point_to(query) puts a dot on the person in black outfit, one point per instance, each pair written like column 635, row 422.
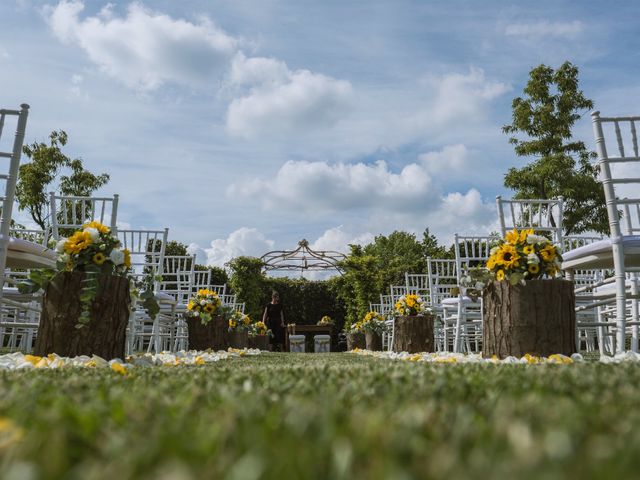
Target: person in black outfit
column 273, row 317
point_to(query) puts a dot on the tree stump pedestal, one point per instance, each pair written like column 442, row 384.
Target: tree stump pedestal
column 261, row 342
column 413, row 334
column 104, row 335
column 238, row 339
column 213, row 335
column 373, row 341
column 356, row 340
column 538, row 318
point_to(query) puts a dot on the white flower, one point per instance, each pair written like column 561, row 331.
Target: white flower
column 93, row 232
column 533, row 239
column 64, row 258
column 533, row 258
column 116, row 256
column 60, row 245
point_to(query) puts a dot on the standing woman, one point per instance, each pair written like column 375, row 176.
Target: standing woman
column 273, row 317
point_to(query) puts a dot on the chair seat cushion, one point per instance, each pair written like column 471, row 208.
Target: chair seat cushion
column 22, row 245
column 609, row 290
column 454, row 301
column 162, row 297
column 600, row 255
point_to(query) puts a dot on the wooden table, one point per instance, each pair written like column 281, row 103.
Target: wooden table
column 305, row 330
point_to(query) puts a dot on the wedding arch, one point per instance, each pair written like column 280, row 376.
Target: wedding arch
column 303, row 259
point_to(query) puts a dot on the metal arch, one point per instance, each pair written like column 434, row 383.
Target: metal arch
column 302, row 259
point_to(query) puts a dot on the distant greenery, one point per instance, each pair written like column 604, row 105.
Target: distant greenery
column 541, row 128
column 337, row 416
column 38, row 176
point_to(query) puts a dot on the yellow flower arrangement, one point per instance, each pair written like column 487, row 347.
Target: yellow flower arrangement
column 373, row 322
column 259, row 328
column 522, row 255
column 411, row 304
column 239, row 321
column 203, row 305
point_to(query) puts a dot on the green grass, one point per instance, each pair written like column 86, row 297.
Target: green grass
column 284, row 416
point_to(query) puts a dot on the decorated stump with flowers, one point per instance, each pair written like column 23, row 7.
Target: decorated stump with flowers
column 356, row 337
column 259, row 336
column 373, row 325
column 239, row 325
column 413, row 325
column 528, row 307
column 207, row 329
column 87, row 297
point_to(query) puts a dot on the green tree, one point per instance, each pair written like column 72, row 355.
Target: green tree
column 36, row 176
column 247, row 282
column 544, row 116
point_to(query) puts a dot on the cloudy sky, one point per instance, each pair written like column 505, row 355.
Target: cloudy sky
column 246, row 125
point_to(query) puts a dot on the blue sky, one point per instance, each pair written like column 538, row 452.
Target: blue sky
column 247, row 125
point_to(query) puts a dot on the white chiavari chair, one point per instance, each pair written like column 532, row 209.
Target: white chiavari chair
column 544, row 216
column 68, row 213
column 443, row 280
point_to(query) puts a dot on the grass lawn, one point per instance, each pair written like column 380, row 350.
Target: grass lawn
column 284, row 416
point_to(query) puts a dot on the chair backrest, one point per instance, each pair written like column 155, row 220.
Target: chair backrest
column 619, row 171
column 38, row 236
column 417, row 283
column 228, row 299
column 377, row 307
column 177, row 276
column 9, row 174
column 443, row 278
column 387, row 303
column 147, row 250
column 397, row 291
column 219, row 289
column 571, row 242
column 201, row 279
column 544, row 216
column 68, row 213
column 471, row 251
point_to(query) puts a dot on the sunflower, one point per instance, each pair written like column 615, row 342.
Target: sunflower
column 127, row 258
column 512, row 237
column 500, row 275
column 548, row 253
column 528, row 249
column 191, row 305
column 533, row 268
column 491, row 263
column 524, row 234
column 77, row 242
column 98, row 258
column 232, row 323
column 507, row 256
column 246, row 320
column 209, row 308
column 98, row 226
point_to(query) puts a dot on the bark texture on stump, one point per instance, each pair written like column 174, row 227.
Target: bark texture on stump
column 105, row 333
column 213, row 335
column 538, row 318
column 356, row 340
column 413, row 334
column 238, row 339
column 373, row 341
column 259, row 341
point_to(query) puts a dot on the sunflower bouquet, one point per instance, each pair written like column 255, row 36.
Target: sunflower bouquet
column 203, row 305
column 374, row 322
column 259, row 328
column 326, row 320
column 523, row 255
column 239, row 322
column 355, row 327
column 411, row 304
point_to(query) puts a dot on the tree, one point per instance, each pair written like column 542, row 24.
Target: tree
column 247, row 282
column 36, row 176
column 551, row 105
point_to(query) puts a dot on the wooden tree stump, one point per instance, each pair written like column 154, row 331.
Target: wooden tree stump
column 238, row 339
column 356, row 340
column 413, row 334
column 538, row 318
column 104, row 335
column 214, row 335
column 373, row 341
column 260, row 342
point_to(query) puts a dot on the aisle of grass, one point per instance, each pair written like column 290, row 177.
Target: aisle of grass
column 282, row 416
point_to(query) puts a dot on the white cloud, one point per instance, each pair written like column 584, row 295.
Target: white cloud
column 244, row 241
column 314, row 186
column 145, row 49
column 281, row 101
column 546, row 29
column 452, row 159
column 338, row 240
